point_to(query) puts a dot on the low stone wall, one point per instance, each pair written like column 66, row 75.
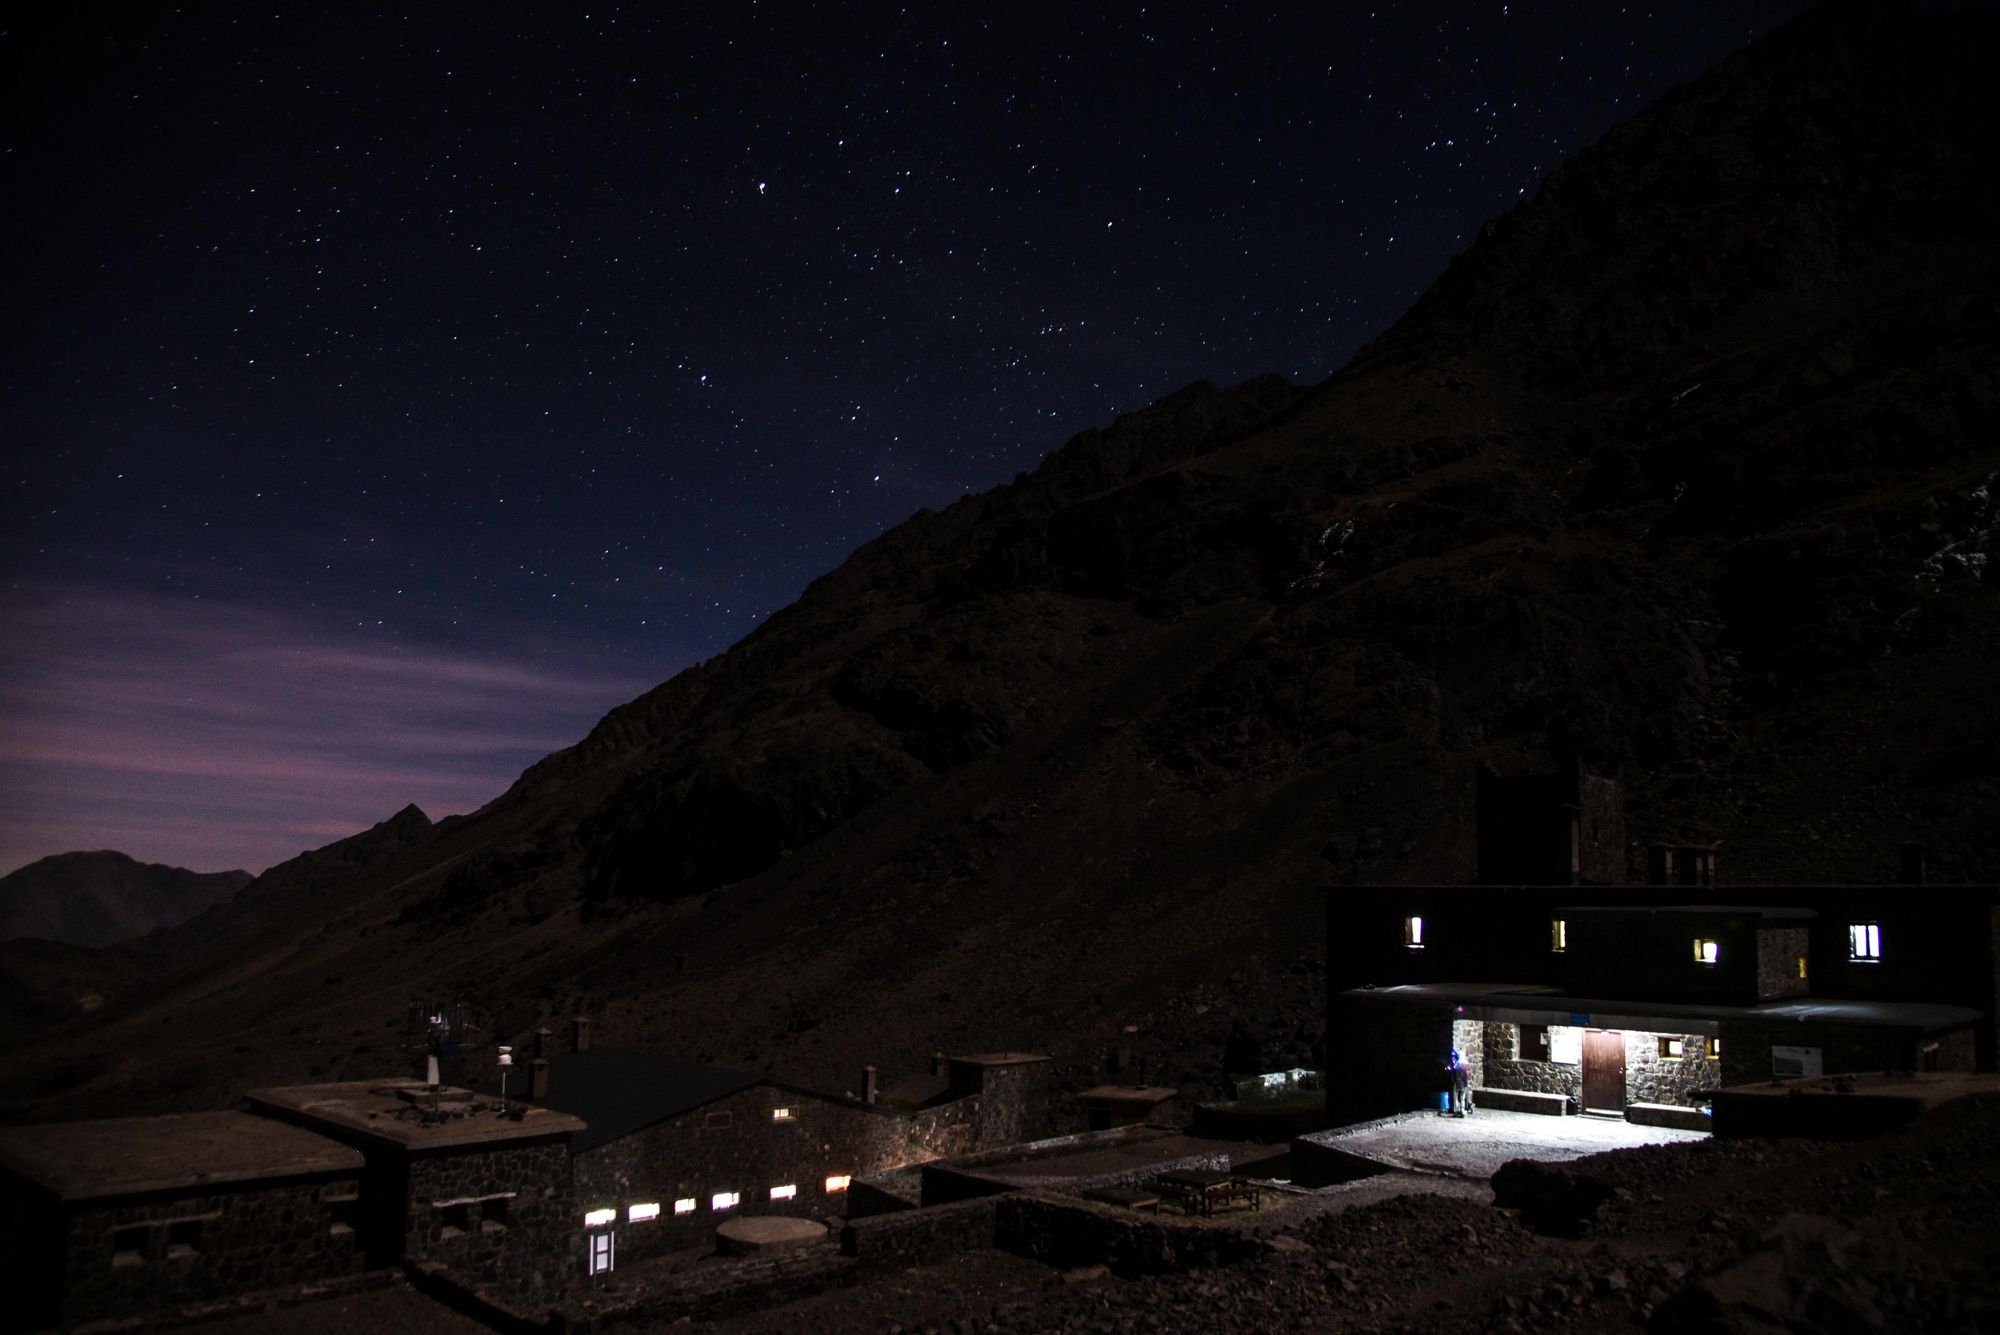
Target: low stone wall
column 711, row 1290
column 1521, row 1100
column 919, row 1237
column 1668, row 1115
column 1066, row 1233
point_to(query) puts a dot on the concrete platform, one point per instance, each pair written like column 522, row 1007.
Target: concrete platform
column 1470, row 1147
column 1668, row 1114
column 1841, row 1107
column 751, row 1235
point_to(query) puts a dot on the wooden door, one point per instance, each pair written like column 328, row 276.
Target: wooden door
column 1603, row 1070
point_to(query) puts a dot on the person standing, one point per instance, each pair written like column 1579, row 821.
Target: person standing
column 1460, row 1072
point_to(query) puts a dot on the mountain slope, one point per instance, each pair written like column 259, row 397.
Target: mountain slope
column 1687, row 467
column 99, row 899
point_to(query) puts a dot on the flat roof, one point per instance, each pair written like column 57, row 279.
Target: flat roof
column 1104, row 1155
column 405, row 1114
column 1148, row 1095
column 616, row 1093
column 1001, row 1058
column 121, row 1156
column 1925, row 1088
column 1693, row 910
column 1509, row 1001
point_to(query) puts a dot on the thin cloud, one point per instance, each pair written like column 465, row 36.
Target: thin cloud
column 212, row 735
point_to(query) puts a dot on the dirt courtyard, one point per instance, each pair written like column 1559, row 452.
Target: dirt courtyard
column 1475, row 1146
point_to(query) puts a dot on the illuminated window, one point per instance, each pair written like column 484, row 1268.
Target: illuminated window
column 784, row 1193
column 639, row 1214
column 598, row 1218
column 1558, row 935
column 1706, row 951
column 1864, row 942
column 1802, row 966
column 1413, row 932
column 685, row 1205
column 837, row 1182
column 1715, row 1049
column 1672, row 1047
column 725, row 1200
column 600, row 1253
column 782, row 1114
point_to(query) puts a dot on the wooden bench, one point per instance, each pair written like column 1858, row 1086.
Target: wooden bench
column 1521, row 1100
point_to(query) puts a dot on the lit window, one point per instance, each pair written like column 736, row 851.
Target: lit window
column 784, row 1193
column 600, row 1253
column 781, row 1114
column 685, row 1205
column 837, row 1182
column 1558, row 935
column 598, row 1218
column 1864, row 942
column 639, row 1214
column 1413, row 932
column 1802, row 966
column 725, row 1200
column 1672, row 1047
column 1706, row 951
column 1715, row 1049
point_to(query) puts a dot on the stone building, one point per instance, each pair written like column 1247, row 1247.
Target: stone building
column 1599, row 997
column 671, row 1150
column 131, row 1216
column 476, row 1185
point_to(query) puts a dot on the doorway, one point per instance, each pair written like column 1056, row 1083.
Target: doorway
column 1603, row 1071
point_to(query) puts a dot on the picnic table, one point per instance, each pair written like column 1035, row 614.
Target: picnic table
column 1205, row 1190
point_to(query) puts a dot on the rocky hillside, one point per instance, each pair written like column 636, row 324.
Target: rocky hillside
column 100, row 899
column 1687, row 466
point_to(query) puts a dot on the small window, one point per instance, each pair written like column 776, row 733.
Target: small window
column 1864, row 942
column 345, row 1213
column 716, row 1120
column 1558, row 935
column 783, row 1114
column 685, row 1205
column 493, row 1215
column 837, row 1182
column 457, row 1220
column 1706, row 950
column 1672, row 1048
column 1715, row 1049
column 1413, row 932
column 601, row 1245
column 598, row 1218
column 1802, row 966
column 130, row 1245
column 786, row 1192
column 725, row 1200
column 639, row 1214
column 183, row 1239
column 1534, row 1043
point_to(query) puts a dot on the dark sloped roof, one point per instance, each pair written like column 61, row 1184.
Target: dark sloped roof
column 617, row 1093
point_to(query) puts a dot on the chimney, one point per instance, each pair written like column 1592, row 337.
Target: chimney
column 579, row 1033
column 868, row 1084
column 538, row 1079
column 1914, row 857
column 937, row 1063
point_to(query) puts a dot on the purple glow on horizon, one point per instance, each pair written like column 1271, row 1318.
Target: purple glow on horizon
column 212, row 736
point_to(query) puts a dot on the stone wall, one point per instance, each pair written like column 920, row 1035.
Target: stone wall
column 1066, row 1233
column 1649, row 1077
column 147, row 1255
column 1015, row 1103
column 500, row 1217
column 1747, row 1043
column 920, row 1237
column 736, row 1144
column 1779, row 950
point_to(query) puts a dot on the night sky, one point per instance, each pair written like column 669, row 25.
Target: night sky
column 387, row 395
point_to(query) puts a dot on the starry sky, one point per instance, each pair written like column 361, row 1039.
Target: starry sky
column 385, row 395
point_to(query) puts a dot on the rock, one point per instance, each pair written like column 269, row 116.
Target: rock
column 1560, row 1202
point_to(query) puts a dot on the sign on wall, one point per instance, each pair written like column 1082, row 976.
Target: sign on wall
column 1795, row 1061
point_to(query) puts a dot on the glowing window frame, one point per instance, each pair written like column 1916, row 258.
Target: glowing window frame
column 1707, row 951
column 643, row 1212
column 725, row 1200
column 1864, row 943
column 837, row 1183
column 1413, row 931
